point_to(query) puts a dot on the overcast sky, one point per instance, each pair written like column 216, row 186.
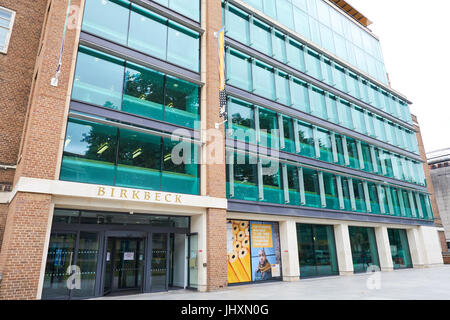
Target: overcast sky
column 415, row 39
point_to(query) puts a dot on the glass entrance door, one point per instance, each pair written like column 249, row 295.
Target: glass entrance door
column 364, row 248
column 316, row 251
column 124, row 264
column 193, row 261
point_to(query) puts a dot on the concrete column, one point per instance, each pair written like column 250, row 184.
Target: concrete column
column 432, row 247
column 384, row 249
column 416, row 248
column 343, row 249
column 289, row 251
column 198, row 225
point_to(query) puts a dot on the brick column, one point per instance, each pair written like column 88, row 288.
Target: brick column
column 22, row 258
column 215, row 172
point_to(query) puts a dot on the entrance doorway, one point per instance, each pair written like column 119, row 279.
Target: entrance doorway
column 124, row 265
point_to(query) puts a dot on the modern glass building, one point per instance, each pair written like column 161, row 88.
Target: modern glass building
column 143, row 186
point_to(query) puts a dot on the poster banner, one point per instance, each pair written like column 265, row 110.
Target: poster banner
column 265, row 251
column 238, row 249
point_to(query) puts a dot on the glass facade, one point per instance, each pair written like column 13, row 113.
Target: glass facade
column 246, row 122
column 168, row 40
column 316, row 251
column 249, row 74
column 401, row 256
column 364, row 248
column 106, row 81
column 102, row 154
column 257, row 179
column 322, row 24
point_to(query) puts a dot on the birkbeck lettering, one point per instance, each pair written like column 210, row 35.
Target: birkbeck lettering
column 126, row 194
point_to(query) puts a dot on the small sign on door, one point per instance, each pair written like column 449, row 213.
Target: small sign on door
column 128, row 256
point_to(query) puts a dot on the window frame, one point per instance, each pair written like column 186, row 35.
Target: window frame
column 9, row 29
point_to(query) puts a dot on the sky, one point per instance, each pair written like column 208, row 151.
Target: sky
column 415, row 40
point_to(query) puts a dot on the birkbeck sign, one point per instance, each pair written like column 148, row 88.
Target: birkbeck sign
column 130, row 194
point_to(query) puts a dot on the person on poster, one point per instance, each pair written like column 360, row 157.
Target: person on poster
column 264, row 271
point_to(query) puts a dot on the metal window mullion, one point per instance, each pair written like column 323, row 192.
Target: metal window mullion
column 301, row 186
column 413, row 206
column 296, row 137
column 260, row 180
column 402, row 203
column 312, row 110
column 389, row 199
column 316, row 142
column 352, row 194
column 231, row 173
column 366, row 196
column 419, row 205
column 323, row 199
column 290, row 81
column 252, row 76
column 374, row 158
column 345, row 149
column 340, row 193
column 334, row 148
column 380, row 200
column 322, row 66
column 250, row 30
column 360, row 155
column 285, row 184
column 281, row 130
column 257, row 128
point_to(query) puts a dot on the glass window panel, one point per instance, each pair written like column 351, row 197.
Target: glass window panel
column 317, row 103
column 313, row 64
column 87, row 259
column 327, row 38
column 364, row 248
column 339, row 149
column 346, row 194
column 153, row 43
column 340, row 78
column 261, row 37
column 345, row 114
column 331, row 191
column 180, row 167
column 352, row 150
column 289, row 136
column 139, row 160
column 183, row 47
column 143, row 92
column 299, row 91
column 301, row 23
column 373, row 197
column 245, row 177
column 272, row 184
column 263, row 80
column 282, row 88
column 332, row 109
column 398, row 242
column 295, row 55
column 284, row 10
column 358, row 191
column 358, row 120
column 306, row 139
column 268, row 123
column 242, row 121
column 312, row 191
column 279, row 47
column 89, row 153
column 239, row 70
column 60, row 255
column 98, row 15
column 182, row 103
column 237, row 25
column 294, row 189
column 327, row 71
column 367, row 157
column 315, row 31
column 324, row 139
column 98, row 79
column 191, row 9
column 270, row 8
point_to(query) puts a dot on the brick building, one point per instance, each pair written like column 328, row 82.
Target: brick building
column 117, row 174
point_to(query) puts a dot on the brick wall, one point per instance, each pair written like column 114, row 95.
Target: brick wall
column 215, row 173
column 23, row 246
column 437, row 218
column 16, row 74
column 3, row 213
column 27, row 220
